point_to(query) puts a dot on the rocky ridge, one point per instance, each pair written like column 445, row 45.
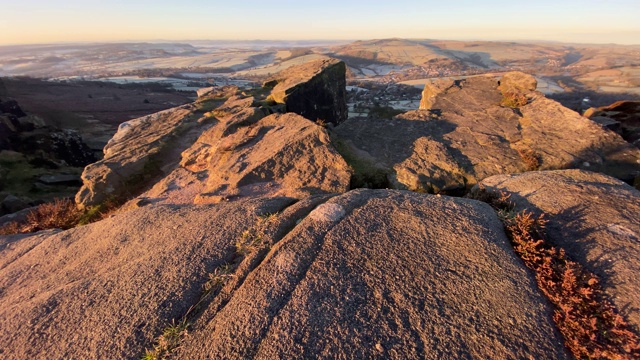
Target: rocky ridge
column 464, row 133
column 244, row 229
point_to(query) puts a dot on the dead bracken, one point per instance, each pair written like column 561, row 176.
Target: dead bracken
column 590, row 324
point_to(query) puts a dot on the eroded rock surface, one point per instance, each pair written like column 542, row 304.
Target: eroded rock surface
column 280, row 154
column 467, row 135
column 395, row 275
column 107, row 290
column 141, row 150
column 594, row 217
column 437, row 278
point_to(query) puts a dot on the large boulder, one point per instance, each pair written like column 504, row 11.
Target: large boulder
column 432, row 89
column 106, row 290
column 437, row 278
column 517, row 82
column 594, row 217
column 467, row 135
column 315, row 90
column 622, row 117
column 142, row 150
column 283, row 154
column 10, row 106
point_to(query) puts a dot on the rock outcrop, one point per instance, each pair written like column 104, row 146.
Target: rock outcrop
column 106, row 290
column 622, row 117
column 29, row 148
column 315, row 90
column 432, row 89
column 241, row 229
column 142, row 149
column 280, row 154
column 446, row 287
column 594, row 217
column 466, row 136
column 517, row 82
column 228, row 151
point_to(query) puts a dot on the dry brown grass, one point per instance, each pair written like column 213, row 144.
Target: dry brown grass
column 58, row 214
column 589, row 323
column 514, row 100
column 530, row 159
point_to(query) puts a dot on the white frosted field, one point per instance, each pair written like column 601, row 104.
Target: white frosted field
column 275, row 68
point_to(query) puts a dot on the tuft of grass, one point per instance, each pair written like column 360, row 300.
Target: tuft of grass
column 589, row 323
column 99, row 212
column 530, row 159
column 514, row 100
column 218, row 278
column 249, row 240
column 60, row 214
column 267, row 218
column 170, row 340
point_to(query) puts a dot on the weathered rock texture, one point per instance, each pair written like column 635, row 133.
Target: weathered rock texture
column 141, row 150
column 467, row 136
column 517, row 82
column 432, row 90
column 622, row 117
column 227, row 151
column 282, row 154
column 594, row 217
column 384, row 274
column 106, row 290
column 369, row 274
column 315, row 90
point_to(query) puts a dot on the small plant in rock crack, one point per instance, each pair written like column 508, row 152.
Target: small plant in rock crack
column 268, row 218
column 218, row 278
column 169, row 340
column 249, row 240
column 530, row 158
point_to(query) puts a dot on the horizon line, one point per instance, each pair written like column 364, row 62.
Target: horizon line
column 189, row 41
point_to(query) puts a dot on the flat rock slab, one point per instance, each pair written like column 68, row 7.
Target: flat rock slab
column 141, row 150
column 385, row 274
column 594, row 217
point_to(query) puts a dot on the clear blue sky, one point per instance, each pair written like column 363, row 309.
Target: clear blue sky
column 43, row 21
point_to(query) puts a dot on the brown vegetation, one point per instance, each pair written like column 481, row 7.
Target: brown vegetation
column 514, row 100
column 530, row 159
column 59, row 214
column 588, row 321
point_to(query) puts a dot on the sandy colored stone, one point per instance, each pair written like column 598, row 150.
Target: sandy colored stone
column 106, row 290
column 517, row 82
column 467, row 136
column 431, row 91
column 281, row 154
column 402, row 276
